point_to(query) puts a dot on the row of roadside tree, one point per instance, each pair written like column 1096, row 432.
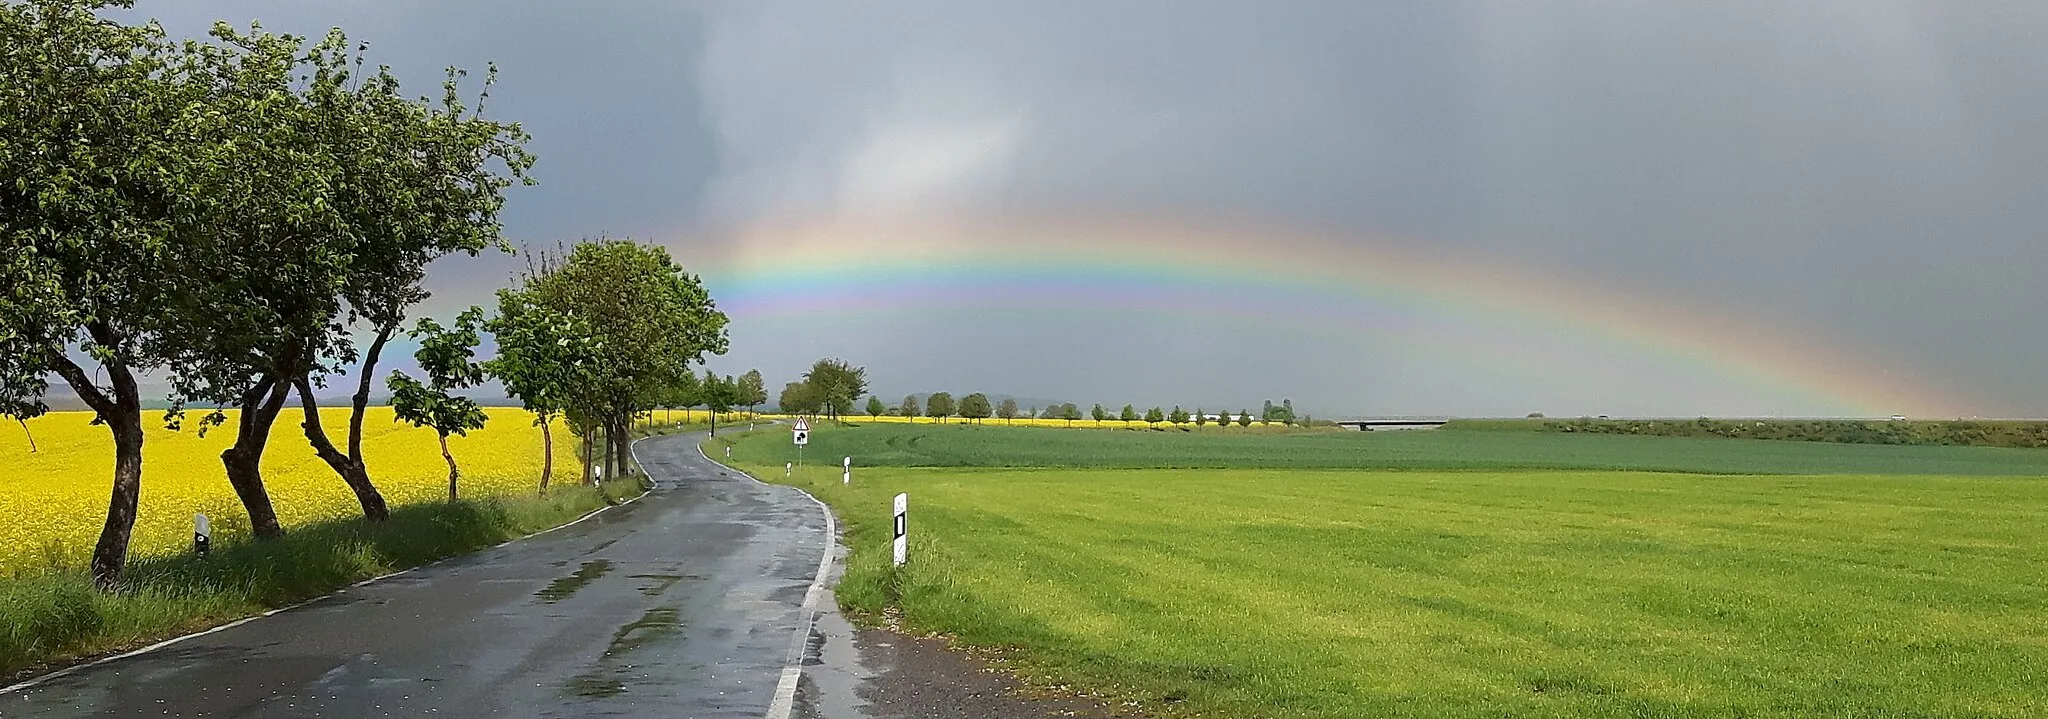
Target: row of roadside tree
column 249, row 216
column 941, row 406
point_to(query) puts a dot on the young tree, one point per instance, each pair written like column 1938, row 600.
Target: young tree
column 939, row 406
column 1053, row 411
column 1128, row 415
column 909, row 407
column 1201, row 417
column 1244, row 418
column 1179, row 416
column 543, row 357
column 447, row 356
column 718, row 396
column 1099, row 414
column 1007, row 410
column 975, row 406
column 875, row 407
column 752, row 392
column 1069, row 412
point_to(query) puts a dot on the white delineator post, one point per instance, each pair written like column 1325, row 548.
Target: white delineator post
column 202, row 535
column 846, row 471
column 788, row 468
column 902, row 529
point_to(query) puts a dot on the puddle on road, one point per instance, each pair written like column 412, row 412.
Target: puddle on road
column 659, row 583
column 591, row 687
column 560, row 589
column 655, row 624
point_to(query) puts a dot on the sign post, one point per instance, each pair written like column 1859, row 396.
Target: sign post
column 801, row 433
column 202, row 535
column 902, row 529
column 846, row 471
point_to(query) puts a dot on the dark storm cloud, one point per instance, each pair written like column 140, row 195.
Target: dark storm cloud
column 1871, row 173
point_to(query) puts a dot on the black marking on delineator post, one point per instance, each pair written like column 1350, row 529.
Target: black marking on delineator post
column 902, row 543
column 202, row 535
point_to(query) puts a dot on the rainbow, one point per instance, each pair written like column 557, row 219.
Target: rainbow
column 893, row 267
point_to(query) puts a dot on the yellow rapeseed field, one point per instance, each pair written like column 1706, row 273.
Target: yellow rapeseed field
column 53, row 501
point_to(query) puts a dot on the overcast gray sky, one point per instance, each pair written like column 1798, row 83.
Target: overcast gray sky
column 1868, row 175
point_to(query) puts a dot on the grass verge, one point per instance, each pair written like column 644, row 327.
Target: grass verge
column 1344, row 593
column 54, row 616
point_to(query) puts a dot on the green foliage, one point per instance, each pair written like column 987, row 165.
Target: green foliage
column 752, row 392
column 1201, row 417
column 799, row 398
column 544, row 356
column 1179, row 416
column 1128, row 415
column 447, row 356
column 1069, row 412
column 1244, row 418
column 975, row 406
column 836, row 384
column 1098, row 413
column 718, row 394
column 1007, row 410
column 940, row 405
column 875, row 407
column 1153, row 416
column 909, row 407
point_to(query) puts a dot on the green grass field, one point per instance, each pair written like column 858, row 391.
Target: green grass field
column 1255, row 592
column 996, row 446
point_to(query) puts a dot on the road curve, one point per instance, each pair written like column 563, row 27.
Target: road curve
column 682, row 604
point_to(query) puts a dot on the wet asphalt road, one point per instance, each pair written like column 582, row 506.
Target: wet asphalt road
column 682, row 604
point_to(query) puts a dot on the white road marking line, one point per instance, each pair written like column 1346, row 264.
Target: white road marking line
column 785, row 688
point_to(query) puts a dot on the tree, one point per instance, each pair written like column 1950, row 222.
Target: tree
column 107, row 130
column 1053, row 411
column 447, row 357
column 875, row 407
column 650, row 319
column 543, row 357
column 1201, row 417
column 1153, row 417
column 798, row 398
column 909, row 407
column 1128, row 415
column 1069, row 412
column 417, row 183
column 1244, row 418
column 837, row 384
column 1099, row 414
column 1007, row 410
column 752, row 392
column 975, row 406
column 939, row 406
column 1179, row 416
column 717, row 395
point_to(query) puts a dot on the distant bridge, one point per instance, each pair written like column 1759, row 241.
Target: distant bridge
column 1371, row 425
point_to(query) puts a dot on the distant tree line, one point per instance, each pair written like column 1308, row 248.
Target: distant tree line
column 975, row 408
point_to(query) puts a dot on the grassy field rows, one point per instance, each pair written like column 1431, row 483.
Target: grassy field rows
column 994, row 445
column 1430, row 593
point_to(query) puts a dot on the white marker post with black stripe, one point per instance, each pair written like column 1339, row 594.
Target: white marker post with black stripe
column 902, row 529
column 846, row 476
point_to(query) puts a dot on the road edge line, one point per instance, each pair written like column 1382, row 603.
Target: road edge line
column 793, row 668
column 33, row 682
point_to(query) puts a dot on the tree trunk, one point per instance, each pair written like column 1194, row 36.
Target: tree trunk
column 547, row 453
column 714, row 423
column 589, row 454
column 624, row 440
column 611, row 429
column 350, row 468
column 31, row 435
column 450, row 459
column 244, row 460
column 122, row 413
